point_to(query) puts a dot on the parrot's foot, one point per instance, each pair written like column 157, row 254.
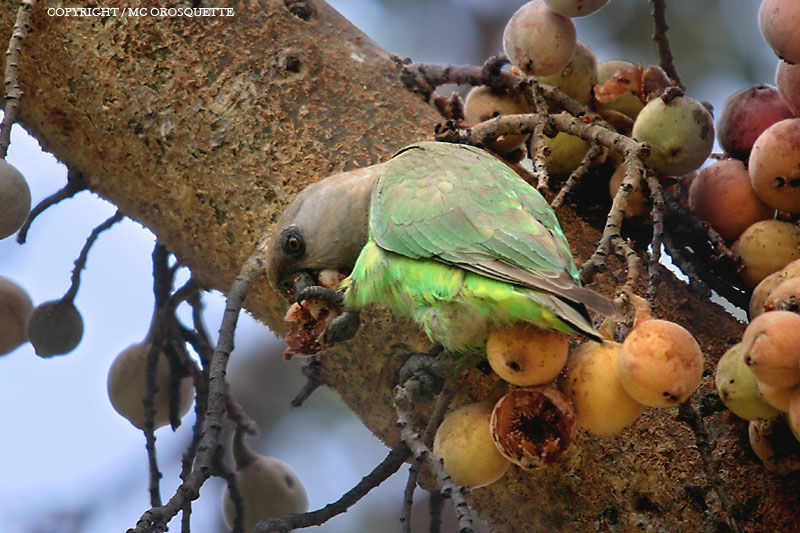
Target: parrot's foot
column 342, row 328
column 427, row 368
column 316, row 292
column 317, row 317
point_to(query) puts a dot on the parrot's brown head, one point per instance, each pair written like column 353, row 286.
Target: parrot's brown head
column 324, row 228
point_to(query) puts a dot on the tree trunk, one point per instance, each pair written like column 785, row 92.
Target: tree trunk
column 203, row 129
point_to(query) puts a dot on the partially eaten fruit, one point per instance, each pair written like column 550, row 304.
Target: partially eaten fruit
column 308, row 319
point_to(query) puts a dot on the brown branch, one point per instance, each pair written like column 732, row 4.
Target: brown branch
column 689, row 414
column 443, row 400
column 435, row 506
column 408, row 497
column 404, row 405
column 156, row 337
column 391, row 464
column 311, row 371
column 423, row 78
column 75, row 184
column 591, row 154
column 665, row 59
column 657, row 213
column 210, row 447
column 235, row 494
column 12, row 91
column 80, row 262
column 538, row 149
column 611, row 237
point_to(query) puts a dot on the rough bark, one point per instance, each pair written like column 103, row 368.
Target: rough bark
column 203, row 129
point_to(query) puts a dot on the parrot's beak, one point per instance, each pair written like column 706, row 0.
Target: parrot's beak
column 295, row 283
column 301, row 282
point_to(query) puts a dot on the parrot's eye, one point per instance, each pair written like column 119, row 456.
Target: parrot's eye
column 292, row 243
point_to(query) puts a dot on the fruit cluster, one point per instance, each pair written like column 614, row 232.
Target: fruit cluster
column 758, row 378
column 601, row 387
column 752, row 196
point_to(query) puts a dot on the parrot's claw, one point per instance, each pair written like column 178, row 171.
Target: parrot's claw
column 331, row 296
column 342, row 328
column 427, row 368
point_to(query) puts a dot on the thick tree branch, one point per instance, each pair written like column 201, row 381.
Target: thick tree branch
column 204, row 130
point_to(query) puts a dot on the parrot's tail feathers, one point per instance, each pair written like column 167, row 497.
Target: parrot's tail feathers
column 559, row 284
column 596, row 302
column 575, row 316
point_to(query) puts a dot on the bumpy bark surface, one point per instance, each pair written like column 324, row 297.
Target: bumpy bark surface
column 203, row 130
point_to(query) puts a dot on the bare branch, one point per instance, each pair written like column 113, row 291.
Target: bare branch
column 591, row 154
column 689, row 414
column 12, row 90
column 80, row 262
column 312, row 372
column 403, row 402
column 391, row 464
column 662, row 42
column 442, row 401
column 210, row 447
column 75, row 184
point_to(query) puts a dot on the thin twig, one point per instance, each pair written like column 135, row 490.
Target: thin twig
column 12, row 91
column 391, row 464
column 591, row 154
column 156, row 337
column 435, row 506
column 235, row 495
column 442, row 401
column 210, row 447
column 408, row 497
column 312, row 372
column 404, row 404
column 688, row 413
column 538, row 149
column 80, row 262
column 611, row 237
column 75, row 184
column 238, row 416
column 657, row 213
column 666, row 61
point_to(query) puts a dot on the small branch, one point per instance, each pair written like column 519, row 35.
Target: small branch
column 312, row 372
column 442, row 401
column 702, row 254
column 657, row 213
column 75, row 184
column 210, row 447
column 538, row 149
column 156, row 339
column 235, row 494
column 404, row 405
column 12, row 91
column 423, row 78
column 408, row 497
column 80, row 262
column 391, row 464
column 435, row 507
column 688, row 414
column 238, row 416
column 577, row 174
column 662, row 42
column 611, row 237
column 696, row 283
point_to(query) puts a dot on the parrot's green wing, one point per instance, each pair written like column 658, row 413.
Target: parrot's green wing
column 459, row 205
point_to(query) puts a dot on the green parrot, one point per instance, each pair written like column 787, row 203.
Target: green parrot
column 444, row 234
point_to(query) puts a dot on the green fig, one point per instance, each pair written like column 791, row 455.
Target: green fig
column 737, row 386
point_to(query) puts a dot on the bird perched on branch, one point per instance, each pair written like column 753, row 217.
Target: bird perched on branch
column 444, row 234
